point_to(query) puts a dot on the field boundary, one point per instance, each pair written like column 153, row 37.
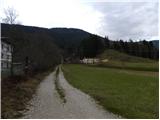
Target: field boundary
column 59, row 89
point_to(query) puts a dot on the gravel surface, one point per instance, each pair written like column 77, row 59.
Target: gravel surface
column 47, row 103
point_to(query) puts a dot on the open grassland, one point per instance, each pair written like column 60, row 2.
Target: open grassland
column 140, row 66
column 128, row 93
column 121, row 60
column 121, row 56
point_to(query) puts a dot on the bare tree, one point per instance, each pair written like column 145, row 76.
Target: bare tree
column 10, row 16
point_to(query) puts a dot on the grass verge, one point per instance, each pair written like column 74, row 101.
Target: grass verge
column 129, row 95
column 16, row 93
column 60, row 91
column 139, row 66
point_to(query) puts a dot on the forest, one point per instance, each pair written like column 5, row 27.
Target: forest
column 94, row 45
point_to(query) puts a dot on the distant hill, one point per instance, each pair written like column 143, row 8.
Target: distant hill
column 60, row 35
column 67, row 39
column 155, row 43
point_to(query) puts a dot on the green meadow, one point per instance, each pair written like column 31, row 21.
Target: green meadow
column 129, row 93
column 139, row 66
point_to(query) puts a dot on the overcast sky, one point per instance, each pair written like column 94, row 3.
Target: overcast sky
column 136, row 19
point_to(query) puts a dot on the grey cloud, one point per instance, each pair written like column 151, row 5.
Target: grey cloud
column 136, row 20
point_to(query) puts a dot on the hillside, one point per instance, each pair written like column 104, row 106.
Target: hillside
column 68, row 37
column 69, row 42
column 65, row 38
column 120, row 60
column 42, row 45
column 114, row 55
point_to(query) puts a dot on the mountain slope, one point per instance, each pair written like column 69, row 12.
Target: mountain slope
column 114, row 55
column 60, row 36
column 67, row 39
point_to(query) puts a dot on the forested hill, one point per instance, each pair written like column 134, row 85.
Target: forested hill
column 44, row 47
column 48, row 45
column 67, row 39
column 63, row 37
column 68, row 36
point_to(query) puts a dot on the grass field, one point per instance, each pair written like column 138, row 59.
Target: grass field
column 140, row 66
column 121, row 60
column 121, row 56
column 128, row 93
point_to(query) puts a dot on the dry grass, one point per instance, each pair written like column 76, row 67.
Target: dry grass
column 16, row 92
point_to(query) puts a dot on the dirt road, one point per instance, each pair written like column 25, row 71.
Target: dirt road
column 48, row 104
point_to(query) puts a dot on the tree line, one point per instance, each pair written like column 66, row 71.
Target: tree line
column 142, row 48
column 95, row 45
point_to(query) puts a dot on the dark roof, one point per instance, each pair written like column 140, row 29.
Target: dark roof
column 6, row 40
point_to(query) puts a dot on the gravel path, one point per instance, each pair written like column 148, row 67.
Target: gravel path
column 47, row 103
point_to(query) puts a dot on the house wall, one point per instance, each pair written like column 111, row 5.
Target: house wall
column 90, row 60
column 6, row 56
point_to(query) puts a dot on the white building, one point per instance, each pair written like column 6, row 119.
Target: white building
column 6, row 54
column 90, row 60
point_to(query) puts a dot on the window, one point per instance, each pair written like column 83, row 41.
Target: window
column 4, row 65
column 9, row 48
column 9, row 65
column 8, row 57
column 1, row 64
column 2, row 46
column 2, row 55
